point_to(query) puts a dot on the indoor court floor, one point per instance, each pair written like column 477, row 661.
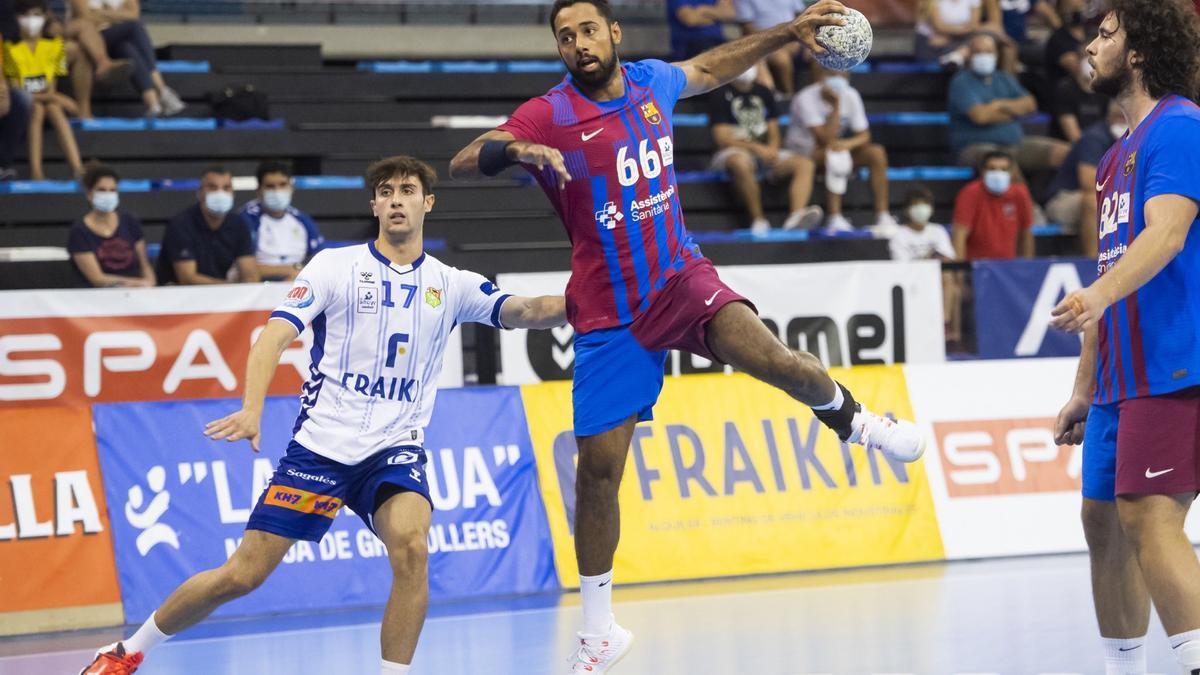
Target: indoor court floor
column 1018, row 615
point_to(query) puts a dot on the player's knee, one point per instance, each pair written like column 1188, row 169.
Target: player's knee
column 1138, row 519
column 237, row 580
column 408, row 553
column 1100, row 524
column 597, row 478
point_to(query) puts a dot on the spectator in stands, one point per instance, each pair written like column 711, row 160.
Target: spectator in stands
column 985, row 106
column 829, row 124
column 33, row 63
column 1064, row 49
column 921, row 239
column 119, row 23
column 107, row 245
column 745, row 127
column 1015, row 16
column 208, row 243
column 1074, row 106
column 993, row 215
column 14, row 120
column 88, row 62
column 1072, row 203
column 759, row 15
column 944, row 27
column 284, row 237
column 696, row 25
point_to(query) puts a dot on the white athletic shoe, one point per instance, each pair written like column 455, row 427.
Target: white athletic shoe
column 806, row 218
column 598, row 653
column 899, row 439
column 760, row 227
column 838, row 223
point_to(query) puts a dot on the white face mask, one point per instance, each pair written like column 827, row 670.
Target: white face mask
column 32, row 25
column 1118, row 130
column 219, row 202
column 997, row 182
column 983, row 65
column 277, row 200
column 747, row 77
column 106, row 201
column 920, row 213
column 837, row 83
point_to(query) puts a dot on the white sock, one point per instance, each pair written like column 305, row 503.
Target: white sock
column 836, row 403
column 146, row 638
column 393, row 668
column 1124, row 656
column 596, row 593
column 1187, row 649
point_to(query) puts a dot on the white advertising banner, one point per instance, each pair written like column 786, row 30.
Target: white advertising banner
column 845, row 313
column 1000, row 484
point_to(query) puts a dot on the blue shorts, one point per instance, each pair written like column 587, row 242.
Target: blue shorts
column 615, row 378
column 308, row 490
column 1100, row 453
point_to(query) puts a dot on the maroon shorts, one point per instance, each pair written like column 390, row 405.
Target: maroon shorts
column 678, row 318
column 1158, row 444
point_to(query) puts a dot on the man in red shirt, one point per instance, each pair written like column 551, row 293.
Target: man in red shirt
column 992, row 215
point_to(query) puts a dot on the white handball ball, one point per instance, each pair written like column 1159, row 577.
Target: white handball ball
column 848, row 45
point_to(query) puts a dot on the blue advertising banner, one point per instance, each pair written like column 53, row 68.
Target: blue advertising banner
column 179, row 503
column 1013, row 299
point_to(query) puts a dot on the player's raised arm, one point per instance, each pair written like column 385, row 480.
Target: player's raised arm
column 497, row 150
column 720, row 65
column 544, row 311
column 260, row 369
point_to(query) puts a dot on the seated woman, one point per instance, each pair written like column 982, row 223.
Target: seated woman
column 945, row 27
column 107, row 245
column 119, row 23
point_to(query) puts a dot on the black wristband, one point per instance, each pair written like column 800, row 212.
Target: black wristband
column 493, row 157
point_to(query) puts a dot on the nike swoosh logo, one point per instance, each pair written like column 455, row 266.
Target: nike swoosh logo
column 588, row 137
column 709, row 301
column 602, row 585
column 1128, row 649
column 1100, row 186
column 1156, row 474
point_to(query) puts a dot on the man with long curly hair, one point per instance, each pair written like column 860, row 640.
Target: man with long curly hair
column 1136, row 403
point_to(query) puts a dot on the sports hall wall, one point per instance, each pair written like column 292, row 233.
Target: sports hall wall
column 105, row 466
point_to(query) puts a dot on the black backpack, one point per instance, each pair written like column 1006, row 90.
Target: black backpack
column 239, row 102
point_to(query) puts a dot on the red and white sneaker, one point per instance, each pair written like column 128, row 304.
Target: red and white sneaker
column 598, row 653
column 112, row 660
column 899, row 439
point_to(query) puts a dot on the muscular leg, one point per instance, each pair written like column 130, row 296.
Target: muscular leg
column 1154, row 524
column 403, row 524
column 255, row 558
column 738, row 337
column 1121, row 599
column 597, row 513
column 741, row 168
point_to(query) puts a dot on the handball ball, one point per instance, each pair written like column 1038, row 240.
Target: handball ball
column 846, row 46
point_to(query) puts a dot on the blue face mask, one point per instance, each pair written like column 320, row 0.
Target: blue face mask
column 105, row 202
column 983, row 65
column 219, row 202
column 997, row 182
column 277, row 200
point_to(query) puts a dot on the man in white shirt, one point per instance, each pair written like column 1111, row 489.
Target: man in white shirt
column 759, row 15
column 920, row 239
column 380, row 314
column 829, row 123
column 284, row 237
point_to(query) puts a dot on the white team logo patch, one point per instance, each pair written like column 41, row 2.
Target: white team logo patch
column 368, row 300
column 300, row 296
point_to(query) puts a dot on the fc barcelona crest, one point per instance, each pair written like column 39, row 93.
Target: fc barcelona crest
column 650, row 112
column 1131, row 163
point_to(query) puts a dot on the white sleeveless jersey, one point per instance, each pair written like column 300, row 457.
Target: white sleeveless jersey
column 379, row 330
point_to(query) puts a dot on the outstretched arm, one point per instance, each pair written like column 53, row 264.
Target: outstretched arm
column 545, row 311
column 260, row 369
column 477, row 159
column 720, row 65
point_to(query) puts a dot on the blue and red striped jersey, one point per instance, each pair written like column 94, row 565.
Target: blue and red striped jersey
column 621, row 208
column 1149, row 343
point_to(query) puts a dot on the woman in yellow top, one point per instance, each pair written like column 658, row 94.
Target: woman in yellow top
column 33, row 63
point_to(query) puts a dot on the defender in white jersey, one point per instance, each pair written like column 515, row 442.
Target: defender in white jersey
column 380, row 314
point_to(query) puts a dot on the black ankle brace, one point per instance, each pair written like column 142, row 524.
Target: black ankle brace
column 840, row 420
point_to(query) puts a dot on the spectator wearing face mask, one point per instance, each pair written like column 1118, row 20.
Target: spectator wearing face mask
column 1072, row 202
column 920, row 239
column 106, row 245
column 284, row 237
column 207, row 243
column 985, row 108
column 993, row 215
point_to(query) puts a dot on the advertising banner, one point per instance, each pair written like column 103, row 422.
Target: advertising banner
column 734, row 477
column 1013, row 299
column 1001, row 485
column 53, row 524
column 180, row 503
column 845, row 313
column 83, row 346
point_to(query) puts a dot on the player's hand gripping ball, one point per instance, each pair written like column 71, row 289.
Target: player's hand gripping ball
column 847, row 45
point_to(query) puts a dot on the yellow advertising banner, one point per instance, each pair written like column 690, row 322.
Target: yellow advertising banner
column 734, row 477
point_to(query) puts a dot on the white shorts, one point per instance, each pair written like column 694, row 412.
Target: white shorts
column 721, row 158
